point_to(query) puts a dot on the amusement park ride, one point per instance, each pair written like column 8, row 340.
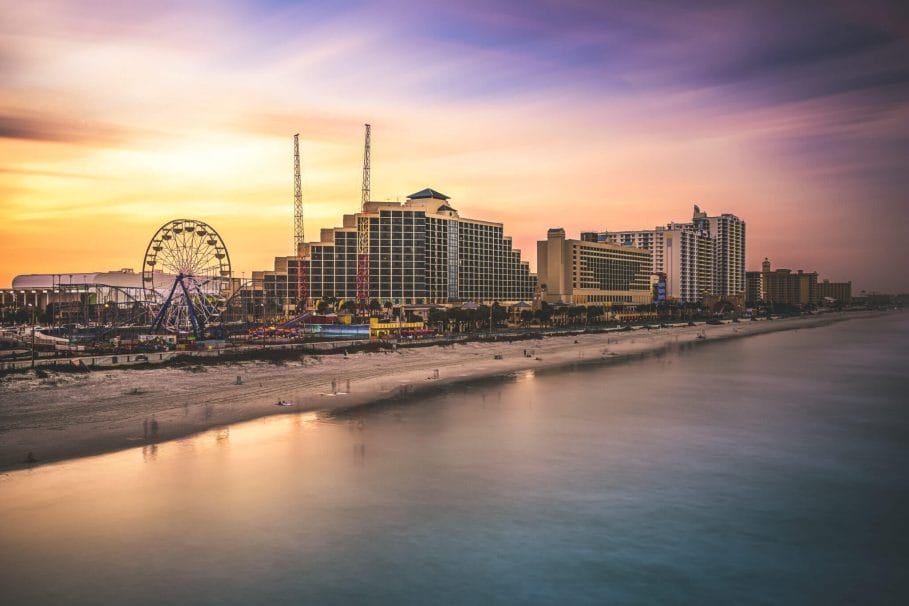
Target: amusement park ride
column 187, row 277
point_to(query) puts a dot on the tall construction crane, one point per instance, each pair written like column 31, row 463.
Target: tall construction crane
column 298, row 197
column 365, row 193
column 363, row 236
column 302, row 283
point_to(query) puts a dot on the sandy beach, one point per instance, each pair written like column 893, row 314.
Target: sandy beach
column 71, row 415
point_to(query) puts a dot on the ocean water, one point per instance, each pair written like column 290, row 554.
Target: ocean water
column 767, row 470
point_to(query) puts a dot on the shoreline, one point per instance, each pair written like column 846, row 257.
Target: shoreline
column 121, row 409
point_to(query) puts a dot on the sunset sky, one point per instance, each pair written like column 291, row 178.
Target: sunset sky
column 117, row 117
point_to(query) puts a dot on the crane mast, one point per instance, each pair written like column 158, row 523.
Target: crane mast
column 363, row 235
column 298, row 197
column 302, row 282
column 365, row 192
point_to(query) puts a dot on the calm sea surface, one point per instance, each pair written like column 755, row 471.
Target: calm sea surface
column 772, row 469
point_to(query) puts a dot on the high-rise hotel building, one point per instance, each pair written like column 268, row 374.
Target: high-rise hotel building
column 682, row 255
column 728, row 232
column 420, row 252
column 704, row 257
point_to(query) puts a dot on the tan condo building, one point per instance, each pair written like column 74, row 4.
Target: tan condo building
column 783, row 286
column 579, row 272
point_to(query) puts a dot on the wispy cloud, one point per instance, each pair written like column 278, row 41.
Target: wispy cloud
column 58, row 128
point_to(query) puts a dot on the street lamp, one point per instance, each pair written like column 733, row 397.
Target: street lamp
column 58, row 296
column 33, row 334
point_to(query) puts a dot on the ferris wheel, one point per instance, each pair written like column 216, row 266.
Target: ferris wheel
column 186, row 275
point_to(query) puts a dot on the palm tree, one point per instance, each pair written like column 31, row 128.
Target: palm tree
column 483, row 316
column 526, row 316
column 438, row 317
column 544, row 314
column 499, row 314
column 461, row 316
column 593, row 312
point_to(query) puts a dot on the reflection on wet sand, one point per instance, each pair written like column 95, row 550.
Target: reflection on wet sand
column 222, row 436
column 150, row 453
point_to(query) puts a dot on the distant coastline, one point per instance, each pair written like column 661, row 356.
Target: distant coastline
column 64, row 415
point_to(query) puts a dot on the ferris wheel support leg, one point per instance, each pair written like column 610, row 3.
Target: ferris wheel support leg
column 198, row 324
column 159, row 317
column 209, row 311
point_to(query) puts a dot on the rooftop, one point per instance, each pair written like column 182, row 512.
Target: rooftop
column 427, row 193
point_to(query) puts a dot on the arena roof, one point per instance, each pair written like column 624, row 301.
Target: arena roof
column 121, row 278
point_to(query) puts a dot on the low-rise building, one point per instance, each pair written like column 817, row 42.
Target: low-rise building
column 69, row 294
column 785, row 287
column 582, row 272
column 837, row 292
column 754, row 288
